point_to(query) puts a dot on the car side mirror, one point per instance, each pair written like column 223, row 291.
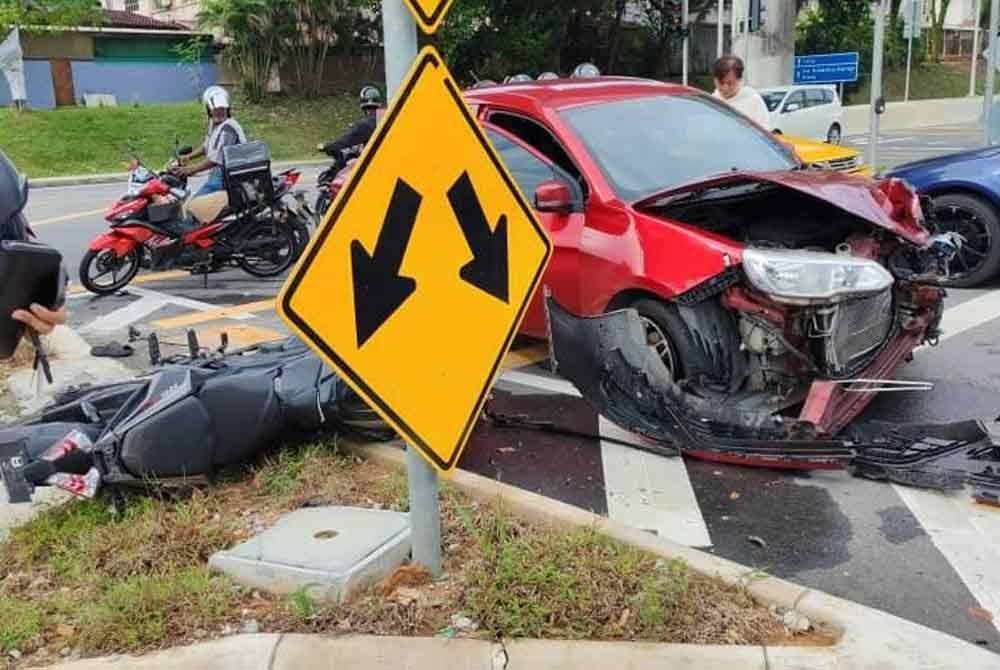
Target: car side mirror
column 792, row 107
column 553, row 196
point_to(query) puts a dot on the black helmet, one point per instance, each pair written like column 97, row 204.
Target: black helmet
column 370, row 98
column 13, row 191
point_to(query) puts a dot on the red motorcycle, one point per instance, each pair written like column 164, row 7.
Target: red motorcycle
column 256, row 233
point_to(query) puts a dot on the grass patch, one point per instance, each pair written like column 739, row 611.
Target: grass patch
column 19, row 622
column 78, row 140
column 928, row 81
column 77, row 576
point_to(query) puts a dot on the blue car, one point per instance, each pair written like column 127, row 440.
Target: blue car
column 965, row 191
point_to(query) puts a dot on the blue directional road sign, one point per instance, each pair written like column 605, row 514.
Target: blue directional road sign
column 826, row 68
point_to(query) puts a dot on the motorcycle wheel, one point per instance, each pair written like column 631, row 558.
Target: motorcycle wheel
column 272, row 248
column 323, row 201
column 122, row 269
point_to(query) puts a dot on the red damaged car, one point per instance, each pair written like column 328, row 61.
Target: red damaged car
column 762, row 287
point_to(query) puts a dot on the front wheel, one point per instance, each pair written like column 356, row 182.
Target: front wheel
column 104, row 272
column 978, row 223
column 269, row 250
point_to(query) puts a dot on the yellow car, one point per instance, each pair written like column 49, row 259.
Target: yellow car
column 825, row 156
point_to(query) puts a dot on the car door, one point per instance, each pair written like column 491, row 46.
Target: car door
column 530, row 170
column 793, row 114
column 818, row 112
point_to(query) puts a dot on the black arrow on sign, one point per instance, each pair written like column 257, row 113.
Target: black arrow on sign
column 379, row 290
column 487, row 270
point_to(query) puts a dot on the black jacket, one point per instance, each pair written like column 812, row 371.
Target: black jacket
column 350, row 143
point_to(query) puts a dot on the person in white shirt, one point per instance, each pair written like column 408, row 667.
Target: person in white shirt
column 729, row 87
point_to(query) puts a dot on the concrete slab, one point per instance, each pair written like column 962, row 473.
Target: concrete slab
column 331, row 552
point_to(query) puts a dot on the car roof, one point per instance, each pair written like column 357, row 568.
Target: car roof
column 562, row 93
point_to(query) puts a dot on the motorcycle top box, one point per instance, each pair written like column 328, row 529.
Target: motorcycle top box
column 247, row 173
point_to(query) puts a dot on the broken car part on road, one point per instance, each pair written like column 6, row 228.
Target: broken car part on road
column 609, row 361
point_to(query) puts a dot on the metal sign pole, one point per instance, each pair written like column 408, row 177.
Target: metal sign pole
column 909, row 48
column 425, row 518
column 687, row 41
column 720, row 30
column 876, row 88
column 975, row 50
column 991, row 71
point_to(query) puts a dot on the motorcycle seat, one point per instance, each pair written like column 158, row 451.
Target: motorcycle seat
column 207, row 208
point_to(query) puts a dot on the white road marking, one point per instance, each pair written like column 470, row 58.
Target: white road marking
column 970, row 314
column 650, row 492
column 643, row 490
column 148, row 303
column 967, row 534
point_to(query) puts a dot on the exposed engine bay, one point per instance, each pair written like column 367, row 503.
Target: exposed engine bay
column 821, row 293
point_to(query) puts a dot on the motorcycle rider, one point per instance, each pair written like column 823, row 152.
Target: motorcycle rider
column 223, row 131
column 353, row 141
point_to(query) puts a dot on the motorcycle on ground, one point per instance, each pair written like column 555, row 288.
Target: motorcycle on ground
column 249, row 226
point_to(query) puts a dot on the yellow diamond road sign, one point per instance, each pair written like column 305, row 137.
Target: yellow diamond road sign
column 429, row 13
column 415, row 284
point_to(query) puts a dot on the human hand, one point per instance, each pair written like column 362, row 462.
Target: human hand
column 41, row 319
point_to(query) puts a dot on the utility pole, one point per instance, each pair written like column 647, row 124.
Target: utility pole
column 686, row 44
column 909, row 46
column 882, row 7
column 425, row 517
column 720, row 30
column 975, row 50
column 991, row 71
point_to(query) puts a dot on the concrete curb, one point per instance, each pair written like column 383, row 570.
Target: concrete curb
column 868, row 638
column 118, row 177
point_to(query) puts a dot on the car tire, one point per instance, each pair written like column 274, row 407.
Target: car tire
column 978, row 221
column 834, row 135
column 710, row 359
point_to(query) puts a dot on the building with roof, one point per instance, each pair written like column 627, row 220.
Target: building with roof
column 128, row 59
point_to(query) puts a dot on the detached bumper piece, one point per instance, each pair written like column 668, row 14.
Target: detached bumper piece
column 606, row 358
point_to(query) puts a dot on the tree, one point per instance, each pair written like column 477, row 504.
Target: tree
column 939, row 10
column 30, row 15
column 311, row 31
column 253, row 31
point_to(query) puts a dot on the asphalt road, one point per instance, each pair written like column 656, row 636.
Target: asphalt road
column 923, row 556
column 903, row 146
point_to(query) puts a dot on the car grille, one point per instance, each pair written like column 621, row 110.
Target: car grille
column 860, row 327
column 849, row 164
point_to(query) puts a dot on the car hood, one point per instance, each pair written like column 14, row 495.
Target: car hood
column 948, row 160
column 889, row 204
column 815, row 152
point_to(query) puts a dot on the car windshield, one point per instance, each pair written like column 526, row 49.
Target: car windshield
column 773, row 98
column 647, row 145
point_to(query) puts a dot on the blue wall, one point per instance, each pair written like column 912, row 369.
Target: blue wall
column 142, row 82
column 128, row 81
column 38, row 81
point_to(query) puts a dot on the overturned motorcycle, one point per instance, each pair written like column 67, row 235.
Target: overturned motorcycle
column 609, row 361
column 180, row 423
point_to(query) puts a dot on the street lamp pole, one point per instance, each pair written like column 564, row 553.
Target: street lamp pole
column 720, row 33
column 975, row 50
column 881, row 9
column 991, row 71
column 687, row 40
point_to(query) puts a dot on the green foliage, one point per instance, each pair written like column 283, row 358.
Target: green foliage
column 42, row 14
column 20, row 620
column 303, row 606
column 255, row 30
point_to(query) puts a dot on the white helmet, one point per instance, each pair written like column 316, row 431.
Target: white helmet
column 215, row 97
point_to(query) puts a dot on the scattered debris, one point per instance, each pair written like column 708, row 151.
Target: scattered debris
column 410, row 575
column 406, row 596
column 251, row 627
column 796, row 622
column 14, row 653
column 759, row 541
column 65, row 630
column 463, row 624
column 623, row 619
column 980, row 613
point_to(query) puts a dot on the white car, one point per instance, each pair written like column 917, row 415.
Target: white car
column 806, row 111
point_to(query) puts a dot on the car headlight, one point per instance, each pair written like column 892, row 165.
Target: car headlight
column 797, row 276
